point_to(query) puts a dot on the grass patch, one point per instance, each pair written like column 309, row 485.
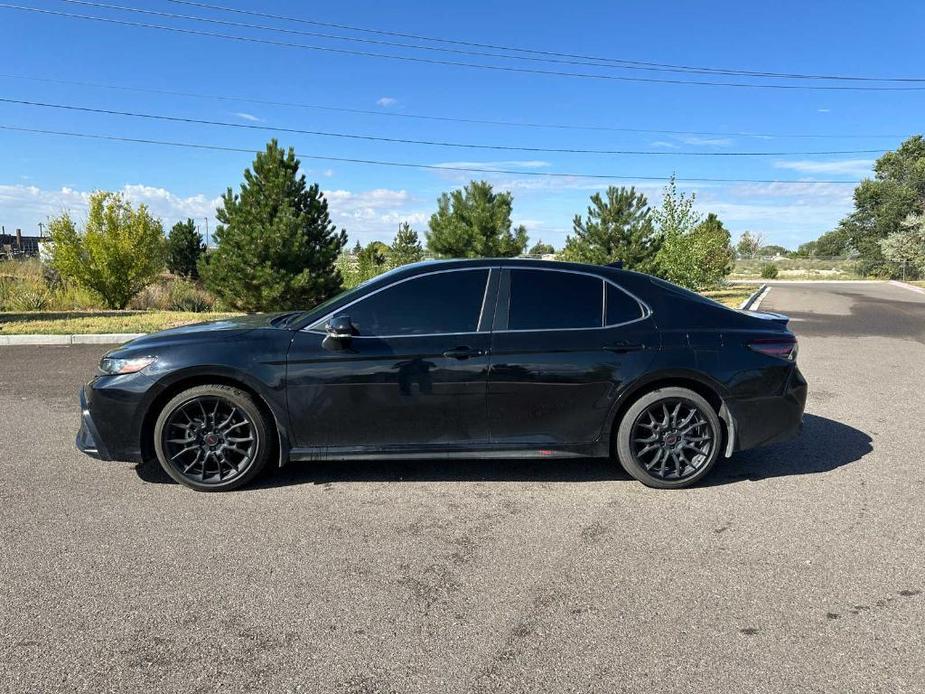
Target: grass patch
column 733, row 295
column 799, row 269
column 77, row 323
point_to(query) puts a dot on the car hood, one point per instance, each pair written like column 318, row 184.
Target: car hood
column 210, row 330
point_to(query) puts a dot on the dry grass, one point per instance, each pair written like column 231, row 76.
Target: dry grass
column 48, row 323
column 799, row 268
column 733, row 295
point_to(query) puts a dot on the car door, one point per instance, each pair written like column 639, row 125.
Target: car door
column 413, row 375
column 562, row 345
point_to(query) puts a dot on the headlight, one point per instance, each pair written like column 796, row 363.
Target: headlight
column 111, row 366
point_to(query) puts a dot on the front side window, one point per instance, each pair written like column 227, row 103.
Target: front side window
column 550, row 300
column 444, row 302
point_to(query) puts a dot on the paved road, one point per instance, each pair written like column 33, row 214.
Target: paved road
column 798, row 568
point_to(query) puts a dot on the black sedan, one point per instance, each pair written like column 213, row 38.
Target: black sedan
column 454, row 359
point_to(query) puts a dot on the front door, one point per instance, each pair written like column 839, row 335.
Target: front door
column 413, row 376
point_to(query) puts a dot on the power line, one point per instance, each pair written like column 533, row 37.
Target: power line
column 449, row 119
column 544, row 57
column 407, row 165
column 648, row 65
column 433, row 61
column 429, row 143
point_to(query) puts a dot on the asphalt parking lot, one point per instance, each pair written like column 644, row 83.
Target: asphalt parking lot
column 798, row 568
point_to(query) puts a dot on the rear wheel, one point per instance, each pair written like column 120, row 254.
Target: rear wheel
column 669, row 438
column 212, row 438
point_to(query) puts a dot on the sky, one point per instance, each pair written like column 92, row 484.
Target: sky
column 266, row 84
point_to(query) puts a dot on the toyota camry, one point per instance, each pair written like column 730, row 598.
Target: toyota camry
column 454, row 359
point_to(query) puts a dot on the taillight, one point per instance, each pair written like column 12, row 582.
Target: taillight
column 782, row 347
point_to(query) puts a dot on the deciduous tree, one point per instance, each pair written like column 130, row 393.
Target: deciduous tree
column 119, row 251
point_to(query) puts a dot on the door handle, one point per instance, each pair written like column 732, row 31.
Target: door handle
column 621, row 347
column 462, row 353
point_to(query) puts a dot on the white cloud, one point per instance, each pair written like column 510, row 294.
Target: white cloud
column 823, row 110
column 387, row 102
column 29, row 205
column 495, row 165
column 374, row 215
column 847, row 167
column 664, row 143
column 708, row 141
column 367, row 215
column 249, row 117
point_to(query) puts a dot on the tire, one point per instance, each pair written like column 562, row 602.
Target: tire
column 669, row 438
column 212, row 438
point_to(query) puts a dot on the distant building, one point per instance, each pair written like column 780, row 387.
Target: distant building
column 17, row 245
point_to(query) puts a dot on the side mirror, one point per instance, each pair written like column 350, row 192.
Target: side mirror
column 339, row 333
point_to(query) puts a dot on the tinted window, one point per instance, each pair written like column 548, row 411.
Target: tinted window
column 621, row 307
column 446, row 302
column 544, row 299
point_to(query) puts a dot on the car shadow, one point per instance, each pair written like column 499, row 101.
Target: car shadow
column 823, row 445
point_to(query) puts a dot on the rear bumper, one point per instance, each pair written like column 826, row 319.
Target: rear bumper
column 772, row 419
column 88, row 436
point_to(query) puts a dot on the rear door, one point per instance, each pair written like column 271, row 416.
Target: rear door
column 563, row 343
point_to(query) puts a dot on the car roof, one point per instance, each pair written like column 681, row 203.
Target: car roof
column 533, row 263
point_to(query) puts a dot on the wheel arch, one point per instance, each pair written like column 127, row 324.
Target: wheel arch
column 704, row 386
column 181, row 382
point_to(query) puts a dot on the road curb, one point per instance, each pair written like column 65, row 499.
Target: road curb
column 910, row 287
column 756, row 297
column 89, row 339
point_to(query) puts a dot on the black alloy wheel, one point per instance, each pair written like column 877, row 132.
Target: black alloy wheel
column 211, row 438
column 669, row 438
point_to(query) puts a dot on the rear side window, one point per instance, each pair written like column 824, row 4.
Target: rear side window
column 550, row 300
column 445, row 302
column 621, row 307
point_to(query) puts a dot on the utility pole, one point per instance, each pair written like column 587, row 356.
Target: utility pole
column 41, row 230
column 207, row 231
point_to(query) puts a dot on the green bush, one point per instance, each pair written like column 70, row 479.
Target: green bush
column 186, row 296
column 118, row 251
column 769, row 271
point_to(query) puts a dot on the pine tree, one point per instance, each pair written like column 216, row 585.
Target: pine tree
column 616, row 228
column 475, row 223
column 184, row 247
column 277, row 247
column 406, row 248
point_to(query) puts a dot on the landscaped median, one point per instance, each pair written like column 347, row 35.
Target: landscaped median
column 123, row 325
column 99, row 322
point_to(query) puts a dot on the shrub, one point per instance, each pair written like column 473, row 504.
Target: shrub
column 119, row 251
column 186, row 296
column 769, row 271
column 26, row 298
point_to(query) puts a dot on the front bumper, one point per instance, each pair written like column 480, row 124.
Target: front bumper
column 88, row 437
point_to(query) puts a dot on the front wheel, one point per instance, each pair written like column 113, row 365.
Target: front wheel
column 212, row 438
column 669, row 438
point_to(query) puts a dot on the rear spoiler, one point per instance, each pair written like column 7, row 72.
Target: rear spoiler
column 769, row 316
